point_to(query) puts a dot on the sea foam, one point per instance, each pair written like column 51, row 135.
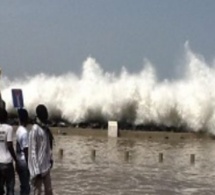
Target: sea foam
column 139, row 98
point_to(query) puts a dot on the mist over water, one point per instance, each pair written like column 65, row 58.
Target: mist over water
column 134, row 98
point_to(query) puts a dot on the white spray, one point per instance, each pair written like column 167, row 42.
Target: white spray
column 134, row 98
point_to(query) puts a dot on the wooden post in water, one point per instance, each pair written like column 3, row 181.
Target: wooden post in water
column 160, row 157
column 127, row 156
column 192, row 158
column 93, row 155
column 61, row 153
column 59, row 131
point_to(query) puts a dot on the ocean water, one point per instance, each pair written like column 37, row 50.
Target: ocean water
column 124, row 166
column 186, row 100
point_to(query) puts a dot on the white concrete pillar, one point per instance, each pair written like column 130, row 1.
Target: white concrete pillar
column 113, row 129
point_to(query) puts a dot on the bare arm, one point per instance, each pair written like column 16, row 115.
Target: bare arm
column 10, row 143
column 11, row 150
column 26, row 154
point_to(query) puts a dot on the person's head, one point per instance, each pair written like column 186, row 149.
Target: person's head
column 42, row 113
column 23, row 116
column 3, row 115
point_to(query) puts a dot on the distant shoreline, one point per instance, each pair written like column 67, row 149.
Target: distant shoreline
column 166, row 135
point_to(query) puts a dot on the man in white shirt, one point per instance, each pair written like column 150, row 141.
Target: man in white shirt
column 7, row 173
column 22, row 152
column 40, row 152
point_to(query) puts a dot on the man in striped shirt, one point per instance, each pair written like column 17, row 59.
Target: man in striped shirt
column 40, row 152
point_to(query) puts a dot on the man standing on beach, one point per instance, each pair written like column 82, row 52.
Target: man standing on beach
column 40, row 152
column 7, row 173
column 22, row 152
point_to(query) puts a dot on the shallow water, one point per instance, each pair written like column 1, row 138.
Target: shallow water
column 133, row 166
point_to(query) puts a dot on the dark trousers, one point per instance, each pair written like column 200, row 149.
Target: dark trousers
column 7, row 178
column 46, row 181
column 24, row 178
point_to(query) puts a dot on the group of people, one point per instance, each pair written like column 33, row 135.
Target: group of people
column 32, row 156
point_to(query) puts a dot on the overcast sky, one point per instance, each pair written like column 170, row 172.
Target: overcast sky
column 57, row 36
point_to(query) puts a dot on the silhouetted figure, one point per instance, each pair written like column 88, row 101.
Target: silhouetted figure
column 2, row 103
column 22, row 152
